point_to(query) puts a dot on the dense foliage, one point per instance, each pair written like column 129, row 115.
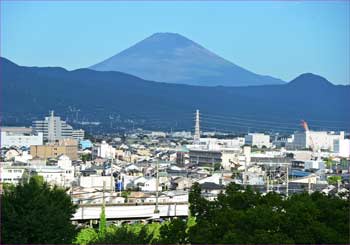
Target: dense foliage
column 125, row 234
column 248, row 217
column 34, row 213
column 334, row 180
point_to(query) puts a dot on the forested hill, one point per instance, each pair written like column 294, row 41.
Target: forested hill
column 118, row 99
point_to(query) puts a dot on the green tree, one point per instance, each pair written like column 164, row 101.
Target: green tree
column 329, row 163
column 217, row 166
column 344, row 163
column 86, row 236
column 125, row 234
column 197, row 203
column 86, row 157
column 174, row 232
column 103, row 223
column 126, row 195
column 245, row 216
column 333, row 180
column 34, row 212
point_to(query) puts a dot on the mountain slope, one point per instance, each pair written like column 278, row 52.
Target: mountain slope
column 172, row 58
column 121, row 100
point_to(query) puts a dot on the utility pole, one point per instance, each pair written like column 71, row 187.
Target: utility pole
column 287, row 187
column 112, row 178
column 267, row 184
column 309, row 185
column 271, row 181
column 212, row 165
column 120, row 179
column 103, row 193
column 156, row 210
column 245, row 175
column 246, row 152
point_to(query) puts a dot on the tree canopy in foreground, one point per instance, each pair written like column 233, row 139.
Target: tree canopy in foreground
column 35, row 213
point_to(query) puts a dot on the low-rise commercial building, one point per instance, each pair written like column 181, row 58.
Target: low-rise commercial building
column 319, row 140
column 96, row 181
column 11, row 174
column 68, row 147
column 53, row 175
column 258, row 140
column 342, row 147
column 203, row 157
column 78, row 134
column 103, row 150
column 20, row 136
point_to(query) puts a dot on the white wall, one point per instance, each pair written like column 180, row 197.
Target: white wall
column 319, row 139
column 342, row 147
column 24, row 157
column 150, row 185
column 51, row 174
column 19, row 140
column 103, row 150
column 95, row 181
column 259, row 140
column 10, row 174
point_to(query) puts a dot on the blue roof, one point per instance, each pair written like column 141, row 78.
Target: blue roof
column 299, row 173
column 85, row 144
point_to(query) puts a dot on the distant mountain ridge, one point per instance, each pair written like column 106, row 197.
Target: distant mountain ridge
column 172, row 58
column 121, row 100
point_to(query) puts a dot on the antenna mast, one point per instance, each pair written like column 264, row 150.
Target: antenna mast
column 197, row 129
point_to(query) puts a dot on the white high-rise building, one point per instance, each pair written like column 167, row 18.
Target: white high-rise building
column 53, row 129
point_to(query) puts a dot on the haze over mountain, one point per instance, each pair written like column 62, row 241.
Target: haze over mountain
column 122, row 100
column 172, row 58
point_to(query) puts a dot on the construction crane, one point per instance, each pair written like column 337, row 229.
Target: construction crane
column 307, row 132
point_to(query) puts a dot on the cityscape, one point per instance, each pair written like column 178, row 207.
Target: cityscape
column 167, row 142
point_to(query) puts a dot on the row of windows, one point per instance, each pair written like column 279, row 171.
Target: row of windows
column 9, row 179
column 14, row 171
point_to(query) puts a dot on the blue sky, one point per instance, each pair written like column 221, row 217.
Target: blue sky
column 281, row 39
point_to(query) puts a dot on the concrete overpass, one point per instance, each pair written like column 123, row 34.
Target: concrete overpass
column 131, row 211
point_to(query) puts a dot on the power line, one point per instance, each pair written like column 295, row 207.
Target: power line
column 211, row 116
